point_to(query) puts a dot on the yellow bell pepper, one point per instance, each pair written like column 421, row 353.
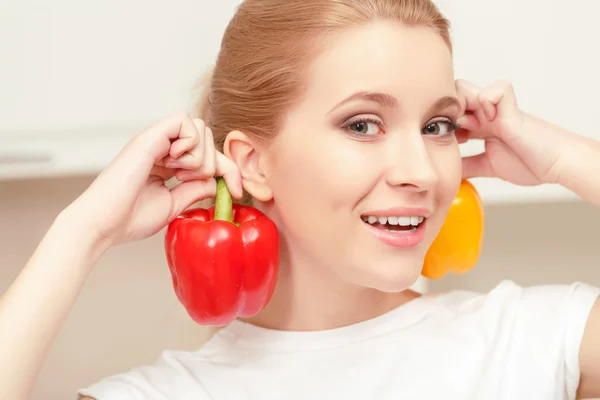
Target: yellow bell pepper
column 458, row 245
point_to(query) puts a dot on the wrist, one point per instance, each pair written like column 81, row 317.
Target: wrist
column 74, row 225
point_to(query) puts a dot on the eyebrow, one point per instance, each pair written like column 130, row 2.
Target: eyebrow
column 385, row 100
column 445, row 103
column 389, row 101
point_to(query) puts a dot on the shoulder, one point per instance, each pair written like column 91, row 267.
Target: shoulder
column 509, row 297
column 543, row 309
column 528, row 328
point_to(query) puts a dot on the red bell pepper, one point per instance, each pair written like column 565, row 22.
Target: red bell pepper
column 223, row 260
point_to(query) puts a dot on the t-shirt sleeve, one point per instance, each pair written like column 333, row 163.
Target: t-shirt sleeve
column 546, row 332
column 168, row 378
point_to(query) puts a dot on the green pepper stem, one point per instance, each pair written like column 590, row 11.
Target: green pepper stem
column 223, row 202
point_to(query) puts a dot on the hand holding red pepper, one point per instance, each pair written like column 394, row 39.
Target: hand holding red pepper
column 223, row 260
column 130, row 200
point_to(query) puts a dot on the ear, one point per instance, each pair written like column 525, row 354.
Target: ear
column 246, row 154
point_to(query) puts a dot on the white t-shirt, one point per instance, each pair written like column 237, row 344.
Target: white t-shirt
column 511, row 343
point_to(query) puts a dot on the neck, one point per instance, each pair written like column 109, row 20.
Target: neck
column 309, row 297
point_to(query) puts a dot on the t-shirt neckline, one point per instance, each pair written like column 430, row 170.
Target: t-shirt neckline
column 247, row 335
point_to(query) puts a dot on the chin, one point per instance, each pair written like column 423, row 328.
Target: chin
column 394, row 277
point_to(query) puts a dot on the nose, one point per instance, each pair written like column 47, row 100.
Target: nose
column 410, row 164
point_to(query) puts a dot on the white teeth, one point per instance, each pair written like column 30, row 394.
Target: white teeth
column 402, row 221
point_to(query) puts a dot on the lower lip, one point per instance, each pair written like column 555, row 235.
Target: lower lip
column 398, row 239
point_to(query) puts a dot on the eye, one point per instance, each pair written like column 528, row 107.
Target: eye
column 440, row 128
column 365, row 126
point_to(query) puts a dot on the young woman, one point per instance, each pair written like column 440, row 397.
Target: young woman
column 325, row 113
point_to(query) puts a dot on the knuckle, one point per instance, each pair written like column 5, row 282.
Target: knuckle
column 200, row 125
column 182, row 176
column 194, row 142
column 190, row 162
column 195, row 163
column 505, row 85
column 460, row 82
column 467, row 85
column 210, row 170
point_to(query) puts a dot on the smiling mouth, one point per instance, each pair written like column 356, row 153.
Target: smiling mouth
column 400, row 224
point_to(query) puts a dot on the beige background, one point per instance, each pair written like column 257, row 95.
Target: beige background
column 128, row 312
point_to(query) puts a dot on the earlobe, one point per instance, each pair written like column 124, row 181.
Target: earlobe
column 246, row 154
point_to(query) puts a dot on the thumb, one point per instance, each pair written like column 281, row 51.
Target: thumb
column 187, row 193
column 477, row 166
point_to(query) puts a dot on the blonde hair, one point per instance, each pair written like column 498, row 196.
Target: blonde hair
column 267, row 46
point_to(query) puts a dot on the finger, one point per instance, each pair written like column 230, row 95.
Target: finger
column 489, row 109
column 462, row 136
column 469, row 122
column 189, row 141
column 188, row 153
column 209, row 166
column 189, row 138
column 467, row 94
column 135, row 162
column 477, row 166
column 182, row 146
column 191, row 160
column 187, row 193
column 231, row 173
column 190, row 175
column 157, row 139
column 162, row 172
column 188, row 164
column 499, row 99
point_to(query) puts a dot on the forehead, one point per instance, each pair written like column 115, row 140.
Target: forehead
column 383, row 56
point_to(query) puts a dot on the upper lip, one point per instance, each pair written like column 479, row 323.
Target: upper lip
column 401, row 212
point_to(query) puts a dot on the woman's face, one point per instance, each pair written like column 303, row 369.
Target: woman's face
column 367, row 154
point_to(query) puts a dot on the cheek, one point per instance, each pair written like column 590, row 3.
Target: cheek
column 448, row 164
column 325, row 170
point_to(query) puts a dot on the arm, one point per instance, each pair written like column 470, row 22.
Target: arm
column 37, row 303
column 577, row 170
column 526, row 150
column 589, row 357
column 578, row 165
column 128, row 201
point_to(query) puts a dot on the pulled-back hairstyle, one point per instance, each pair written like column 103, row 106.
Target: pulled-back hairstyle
column 269, row 43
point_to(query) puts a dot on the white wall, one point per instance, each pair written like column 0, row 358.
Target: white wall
column 127, row 312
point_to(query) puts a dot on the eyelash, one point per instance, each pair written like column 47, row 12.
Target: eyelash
column 365, row 120
column 452, row 126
